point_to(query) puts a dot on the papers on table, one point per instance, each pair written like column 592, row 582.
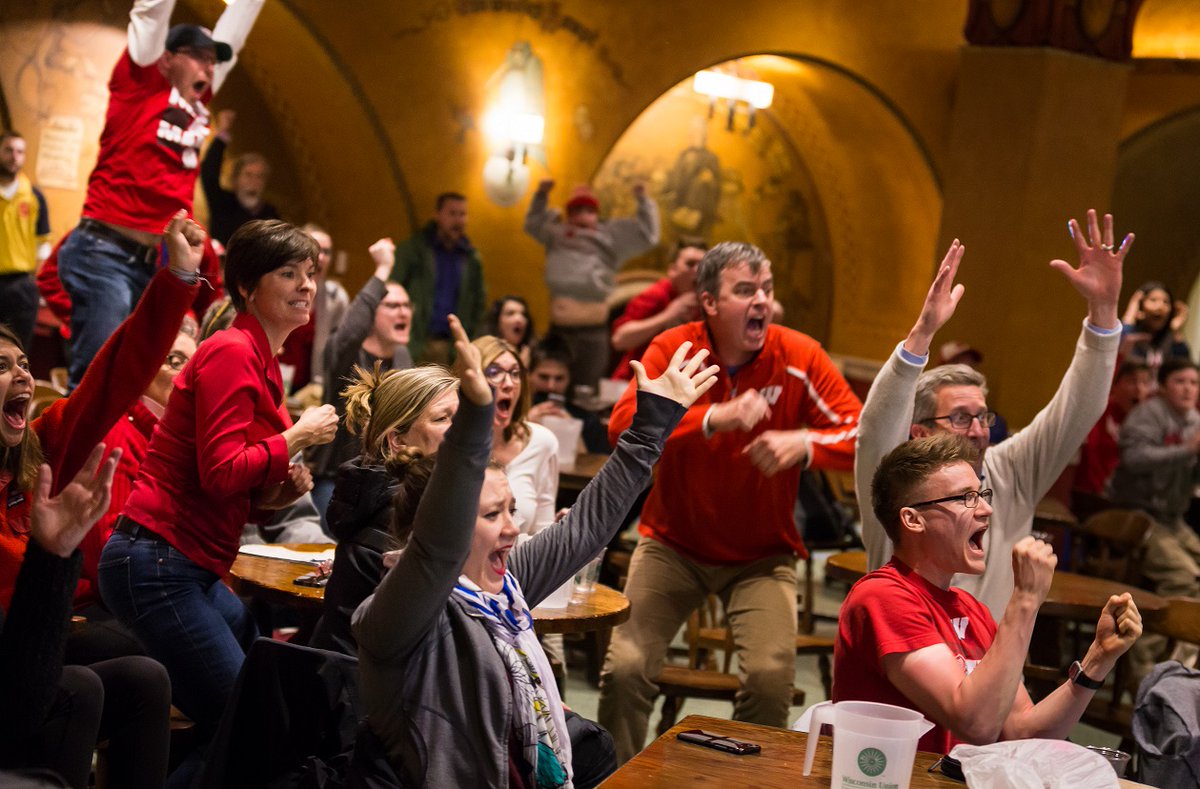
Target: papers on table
column 288, row 554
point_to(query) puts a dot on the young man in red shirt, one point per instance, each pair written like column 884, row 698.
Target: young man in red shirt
column 147, row 166
column 664, row 305
column 907, row 637
column 719, row 517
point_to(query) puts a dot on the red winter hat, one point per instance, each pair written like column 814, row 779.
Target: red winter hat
column 582, row 196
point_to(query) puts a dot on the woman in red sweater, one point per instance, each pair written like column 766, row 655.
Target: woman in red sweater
column 63, row 438
column 219, row 457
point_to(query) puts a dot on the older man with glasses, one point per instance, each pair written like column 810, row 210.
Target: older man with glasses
column 907, row 637
column 904, row 402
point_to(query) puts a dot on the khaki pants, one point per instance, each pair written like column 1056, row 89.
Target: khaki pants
column 663, row 589
column 1172, row 566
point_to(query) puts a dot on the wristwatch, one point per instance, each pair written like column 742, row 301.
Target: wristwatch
column 1083, row 680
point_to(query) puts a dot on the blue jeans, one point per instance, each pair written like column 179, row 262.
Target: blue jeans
column 322, row 492
column 185, row 616
column 104, row 283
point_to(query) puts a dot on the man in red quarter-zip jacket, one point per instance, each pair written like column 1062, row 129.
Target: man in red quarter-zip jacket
column 719, row 517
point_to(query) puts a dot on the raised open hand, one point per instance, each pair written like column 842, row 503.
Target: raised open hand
column 59, row 524
column 185, row 242
column 225, row 119
column 468, row 365
column 683, row 381
column 940, row 303
column 1181, row 316
column 1098, row 277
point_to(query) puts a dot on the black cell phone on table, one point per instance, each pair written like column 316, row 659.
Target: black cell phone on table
column 718, row 743
column 949, row 767
column 315, row 579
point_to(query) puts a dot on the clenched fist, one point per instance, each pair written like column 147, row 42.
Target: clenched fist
column 1033, row 568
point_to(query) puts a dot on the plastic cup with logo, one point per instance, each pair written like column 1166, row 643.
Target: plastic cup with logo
column 586, row 577
column 567, row 431
column 874, row 745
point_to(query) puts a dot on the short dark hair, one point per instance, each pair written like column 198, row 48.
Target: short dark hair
column 1174, row 365
column 1130, row 367
column 259, row 247
column 444, row 196
column 688, row 242
column 551, row 348
column 904, row 468
column 725, row 255
column 10, row 134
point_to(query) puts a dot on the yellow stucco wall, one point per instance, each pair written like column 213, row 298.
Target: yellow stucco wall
column 369, row 109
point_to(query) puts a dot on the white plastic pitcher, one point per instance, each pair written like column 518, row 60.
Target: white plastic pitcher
column 874, row 745
column 567, row 431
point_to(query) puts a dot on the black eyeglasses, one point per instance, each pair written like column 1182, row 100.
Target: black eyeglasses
column 495, row 374
column 970, row 499
column 176, row 360
column 961, row 420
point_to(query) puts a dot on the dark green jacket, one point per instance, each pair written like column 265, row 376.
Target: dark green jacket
column 415, row 270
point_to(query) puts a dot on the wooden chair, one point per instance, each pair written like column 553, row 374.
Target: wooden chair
column 44, row 395
column 701, row 678
column 1109, row 544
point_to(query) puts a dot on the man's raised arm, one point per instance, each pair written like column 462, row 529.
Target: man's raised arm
column 887, row 414
column 233, row 28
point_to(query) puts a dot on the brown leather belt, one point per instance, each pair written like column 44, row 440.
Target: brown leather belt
column 146, row 256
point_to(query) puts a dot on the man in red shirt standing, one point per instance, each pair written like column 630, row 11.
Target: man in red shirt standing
column 719, row 517
column 908, row 638
column 664, row 305
column 147, row 166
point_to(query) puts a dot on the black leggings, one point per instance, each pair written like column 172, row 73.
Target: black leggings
column 135, row 721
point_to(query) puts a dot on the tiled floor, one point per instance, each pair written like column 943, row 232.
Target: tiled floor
column 583, row 698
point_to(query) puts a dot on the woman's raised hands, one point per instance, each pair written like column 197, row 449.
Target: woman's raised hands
column 468, row 365
column 683, row 381
column 60, row 523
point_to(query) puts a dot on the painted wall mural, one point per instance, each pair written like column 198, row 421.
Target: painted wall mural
column 749, row 184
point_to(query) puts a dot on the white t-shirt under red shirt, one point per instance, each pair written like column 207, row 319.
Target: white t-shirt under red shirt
column 894, row 611
column 149, row 150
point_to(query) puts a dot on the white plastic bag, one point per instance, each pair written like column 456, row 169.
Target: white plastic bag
column 1034, row 764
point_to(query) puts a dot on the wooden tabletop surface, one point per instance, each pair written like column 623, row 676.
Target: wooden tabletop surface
column 669, row 762
column 1071, row 596
column 273, row 580
column 603, row 608
column 580, row 473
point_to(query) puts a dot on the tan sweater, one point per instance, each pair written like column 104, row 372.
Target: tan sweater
column 1020, row 470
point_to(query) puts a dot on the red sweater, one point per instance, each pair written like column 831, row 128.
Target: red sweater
column 132, row 436
column 69, row 428
column 646, row 304
column 217, row 444
column 709, row 502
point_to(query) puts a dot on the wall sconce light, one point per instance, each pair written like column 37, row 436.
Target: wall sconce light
column 719, row 85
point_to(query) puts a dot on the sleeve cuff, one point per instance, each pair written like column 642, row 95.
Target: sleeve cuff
column 911, row 358
column 1094, row 329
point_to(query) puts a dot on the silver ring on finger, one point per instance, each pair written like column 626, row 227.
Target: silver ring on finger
column 1107, row 247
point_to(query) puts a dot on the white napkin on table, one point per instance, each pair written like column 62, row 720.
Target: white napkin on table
column 1034, row 764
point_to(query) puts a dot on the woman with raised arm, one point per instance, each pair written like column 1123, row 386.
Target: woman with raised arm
column 221, row 451
column 400, row 418
column 458, row 689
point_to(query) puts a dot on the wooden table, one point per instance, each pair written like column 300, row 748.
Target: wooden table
column 579, row 474
column 602, row 610
column 271, row 579
column 1071, row 596
column 668, row 762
